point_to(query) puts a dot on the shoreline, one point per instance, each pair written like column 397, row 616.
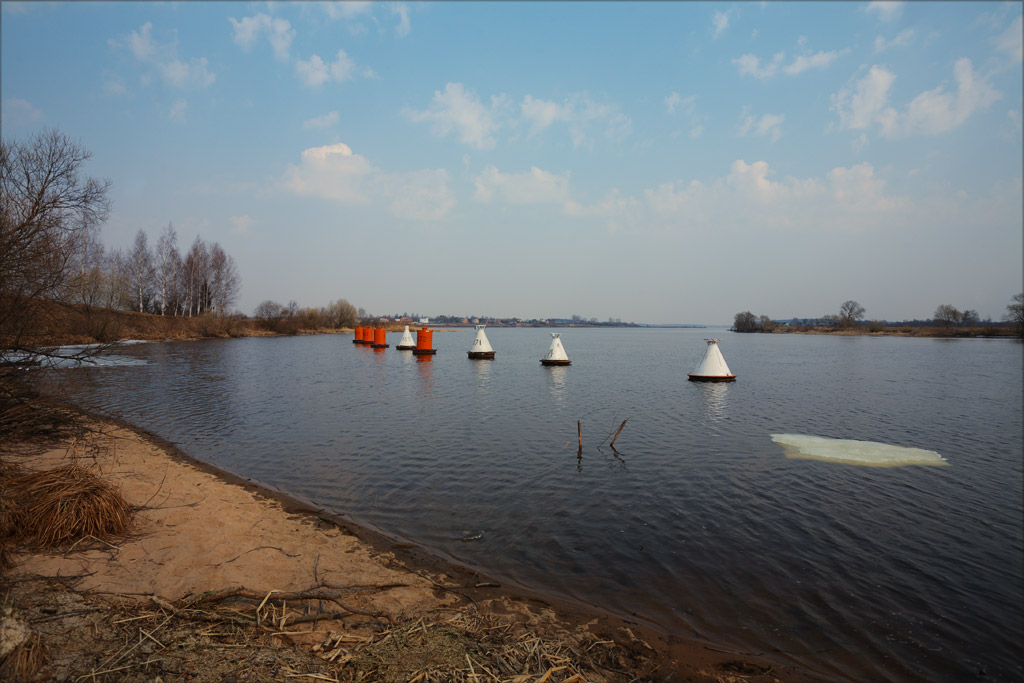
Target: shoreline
column 140, row 463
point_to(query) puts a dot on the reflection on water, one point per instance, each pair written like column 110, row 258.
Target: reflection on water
column 886, row 574
column 482, row 367
column 715, row 400
column 557, row 376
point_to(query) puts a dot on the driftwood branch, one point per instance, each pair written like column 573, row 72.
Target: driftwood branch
column 320, row 591
column 618, row 432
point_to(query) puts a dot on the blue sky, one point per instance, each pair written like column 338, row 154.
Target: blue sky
column 657, row 162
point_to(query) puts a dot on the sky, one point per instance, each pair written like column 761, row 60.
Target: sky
column 668, row 162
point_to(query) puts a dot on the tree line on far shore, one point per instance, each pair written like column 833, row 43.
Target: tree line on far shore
column 158, row 279
column 291, row 318
column 851, row 315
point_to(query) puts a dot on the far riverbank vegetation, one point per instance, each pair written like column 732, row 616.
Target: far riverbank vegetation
column 947, row 321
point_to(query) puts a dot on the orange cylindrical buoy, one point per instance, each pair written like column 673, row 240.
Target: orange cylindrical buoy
column 358, row 338
column 424, row 341
column 380, row 340
column 368, row 335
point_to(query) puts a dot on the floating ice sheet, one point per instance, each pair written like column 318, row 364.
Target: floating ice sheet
column 63, row 357
column 852, row 452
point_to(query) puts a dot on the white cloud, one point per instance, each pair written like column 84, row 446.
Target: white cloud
column 163, row 58
column 845, row 199
column 456, row 109
column 314, row 72
column 932, row 112
column 539, row 187
column 866, row 101
column 419, row 195
column 347, row 9
column 240, row 225
column 535, row 186
column 1011, row 41
column 331, row 172
column 18, row 112
column 685, row 105
column 767, row 125
column 401, row 10
column 541, row 113
column 178, row 111
column 903, row 39
column 937, row 111
column 819, row 60
column 359, row 13
column 320, row 122
column 859, row 189
column 720, row 20
column 617, row 211
column 750, row 65
column 335, row 173
column 885, row 10
column 582, row 115
column 278, row 31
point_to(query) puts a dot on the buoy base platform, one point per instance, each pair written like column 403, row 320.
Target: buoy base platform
column 379, row 346
column 424, row 352
column 545, row 361
column 405, row 347
column 711, row 378
column 481, row 355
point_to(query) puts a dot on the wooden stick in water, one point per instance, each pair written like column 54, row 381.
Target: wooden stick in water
column 579, row 431
column 620, row 430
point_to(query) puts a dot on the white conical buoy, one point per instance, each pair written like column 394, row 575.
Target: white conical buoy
column 407, row 343
column 712, row 367
column 481, row 348
column 556, row 354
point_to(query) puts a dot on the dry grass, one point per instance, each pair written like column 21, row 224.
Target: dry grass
column 21, row 650
column 61, row 506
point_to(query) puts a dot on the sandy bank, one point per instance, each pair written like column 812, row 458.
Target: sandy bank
column 132, row 607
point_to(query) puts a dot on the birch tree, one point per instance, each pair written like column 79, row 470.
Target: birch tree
column 167, row 258
column 141, row 262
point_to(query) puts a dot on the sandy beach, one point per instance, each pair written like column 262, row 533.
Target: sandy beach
column 219, row 579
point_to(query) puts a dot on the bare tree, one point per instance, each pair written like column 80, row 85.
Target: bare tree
column 744, row 322
column 1015, row 313
column 947, row 315
column 141, row 261
column 224, row 280
column 115, row 280
column 268, row 310
column 166, row 251
column 196, row 274
column 341, row 313
column 48, row 211
column 850, row 313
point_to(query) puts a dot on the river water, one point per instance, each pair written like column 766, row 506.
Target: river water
column 697, row 522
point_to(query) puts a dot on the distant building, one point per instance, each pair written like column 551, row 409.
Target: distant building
column 424, row 321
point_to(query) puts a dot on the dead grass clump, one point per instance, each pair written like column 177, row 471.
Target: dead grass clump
column 470, row 647
column 21, row 650
column 51, row 508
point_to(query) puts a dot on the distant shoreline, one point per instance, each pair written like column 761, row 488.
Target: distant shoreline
column 920, row 331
